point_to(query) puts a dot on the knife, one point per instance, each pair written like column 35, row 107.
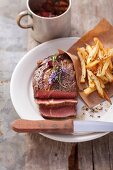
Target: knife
column 61, row 126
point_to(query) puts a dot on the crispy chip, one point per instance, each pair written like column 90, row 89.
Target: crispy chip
column 104, row 79
column 102, row 83
column 111, row 66
column 110, row 52
column 107, row 97
column 93, row 53
column 97, row 84
column 83, row 76
column 105, row 66
column 97, row 62
column 101, row 55
column 92, row 64
column 90, row 81
column 88, row 48
column 89, row 90
column 101, row 47
column 109, row 76
column 99, row 69
column 83, row 53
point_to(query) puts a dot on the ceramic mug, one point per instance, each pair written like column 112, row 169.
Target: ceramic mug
column 46, row 28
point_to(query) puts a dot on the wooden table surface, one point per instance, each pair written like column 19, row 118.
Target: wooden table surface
column 35, row 152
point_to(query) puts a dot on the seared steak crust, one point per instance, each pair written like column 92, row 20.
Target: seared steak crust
column 54, row 87
column 55, row 75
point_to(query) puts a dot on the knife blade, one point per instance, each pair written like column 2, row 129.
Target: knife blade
column 60, row 126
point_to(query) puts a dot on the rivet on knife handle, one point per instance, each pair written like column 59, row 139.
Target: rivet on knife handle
column 49, row 126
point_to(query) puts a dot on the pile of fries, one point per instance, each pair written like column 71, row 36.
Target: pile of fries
column 97, row 67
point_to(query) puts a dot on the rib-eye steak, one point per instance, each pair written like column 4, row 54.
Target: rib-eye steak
column 54, row 87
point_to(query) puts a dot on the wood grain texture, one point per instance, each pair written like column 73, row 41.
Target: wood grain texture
column 73, row 158
column 43, row 153
column 110, row 145
column 37, row 152
column 12, row 48
column 85, row 157
column 87, row 13
column 101, row 156
column 43, row 126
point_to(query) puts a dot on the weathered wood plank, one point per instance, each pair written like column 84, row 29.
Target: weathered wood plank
column 12, row 48
column 85, row 157
column 87, row 13
column 31, row 43
column 73, row 158
column 111, row 149
column 101, row 157
column 43, row 153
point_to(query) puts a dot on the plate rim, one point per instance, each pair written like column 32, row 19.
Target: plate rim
column 91, row 136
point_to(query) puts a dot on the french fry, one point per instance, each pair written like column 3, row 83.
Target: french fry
column 110, row 65
column 100, row 55
column 104, row 79
column 83, row 53
column 100, row 86
column 110, row 52
column 89, row 90
column 82, row 50
column 105, row 66
column 97, row 84
column 102, row 83
column 99, row 69
column 90, row 81
column 92, row 64
column 83, row 76
column 109, row 76
column 107, row 97
column 93, row 53
column 101, row 47
column 88, row 48
column 96, row 61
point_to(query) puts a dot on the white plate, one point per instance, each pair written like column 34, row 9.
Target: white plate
column 22, row 93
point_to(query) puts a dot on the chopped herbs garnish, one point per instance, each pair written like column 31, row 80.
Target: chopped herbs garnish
column 53, row 77
column 56, row 75
column 58, row 70
column 53, row 58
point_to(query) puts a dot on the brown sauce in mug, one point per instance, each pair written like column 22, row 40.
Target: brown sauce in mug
column 52, row 8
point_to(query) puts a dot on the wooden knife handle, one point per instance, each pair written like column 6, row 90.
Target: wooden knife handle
column 48, row 126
